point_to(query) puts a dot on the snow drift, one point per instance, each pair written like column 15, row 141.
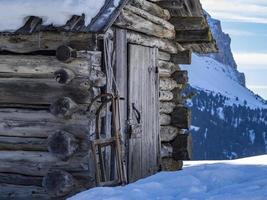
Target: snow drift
column 243, row 179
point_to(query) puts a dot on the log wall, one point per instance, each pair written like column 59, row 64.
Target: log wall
column 45, row 124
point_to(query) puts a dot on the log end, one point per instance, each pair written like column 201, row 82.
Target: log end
column 64, row 53
column 62, row 144
column 63, row 108
column 58, row 183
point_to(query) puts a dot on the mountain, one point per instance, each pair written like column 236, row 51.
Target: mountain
column 229, row 121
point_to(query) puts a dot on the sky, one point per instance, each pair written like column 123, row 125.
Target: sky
column 246, row 23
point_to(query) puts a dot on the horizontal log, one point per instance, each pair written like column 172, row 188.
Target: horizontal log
column 27, row 156
column 46, row 41
column 17, row 179
column 166, row 107
column 19, row 192
column 165, row 95
column 181, row 77
column 130, row 20
column 152, row 8
column 204, row 35
column 27, row 144
column 152, row 18
column 181, row 117
column 142, row 39
column 188, row 23
column 164, row 119
column 43, row 91
column 182, row 57
column 167, row 84
column 40, row 124
column 40, row 167
column 168, row 133
column 49, row 67
column 184, row 8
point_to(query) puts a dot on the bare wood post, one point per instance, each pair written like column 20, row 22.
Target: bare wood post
column 62, row 144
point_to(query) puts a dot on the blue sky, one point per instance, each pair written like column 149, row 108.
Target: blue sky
column 246, row 22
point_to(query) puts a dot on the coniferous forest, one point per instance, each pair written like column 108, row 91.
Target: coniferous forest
column 223, row 131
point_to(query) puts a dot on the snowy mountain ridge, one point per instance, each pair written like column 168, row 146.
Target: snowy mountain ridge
column 209, row 75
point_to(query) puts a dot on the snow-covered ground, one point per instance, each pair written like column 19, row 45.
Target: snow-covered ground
column 244, row 179
column 207, row 74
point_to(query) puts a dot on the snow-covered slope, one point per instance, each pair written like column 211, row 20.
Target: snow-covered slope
column 244, row 179
column 209, row 75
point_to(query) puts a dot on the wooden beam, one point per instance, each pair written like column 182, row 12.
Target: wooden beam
column 28, row 123
column 186, row 36
column 182, row 57
column 27, row 144
column 138, row 20
column 188, row 23
column 46, row 41
column 42, row 91
column 41, row 67
column 142, row 39
column 152, row 8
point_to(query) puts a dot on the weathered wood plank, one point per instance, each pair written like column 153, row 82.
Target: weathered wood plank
column 152, row 8
column 143, row 113
column 142, row 39
column 48, row 67
column 45, row 41
column 17, row 143
column 43, row 91
column 17, row 179
column 39, row 124
column 188, row 23
column 185, row 8
column 34, row 166
column 18, row 192
column 192, row 36
column 129, row 19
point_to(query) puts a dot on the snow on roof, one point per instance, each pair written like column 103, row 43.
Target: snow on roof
column 14, row 13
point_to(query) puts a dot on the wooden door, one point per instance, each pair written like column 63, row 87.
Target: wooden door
column 143, row 92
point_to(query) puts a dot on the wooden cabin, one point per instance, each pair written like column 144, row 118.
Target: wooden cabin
column 98, row 104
